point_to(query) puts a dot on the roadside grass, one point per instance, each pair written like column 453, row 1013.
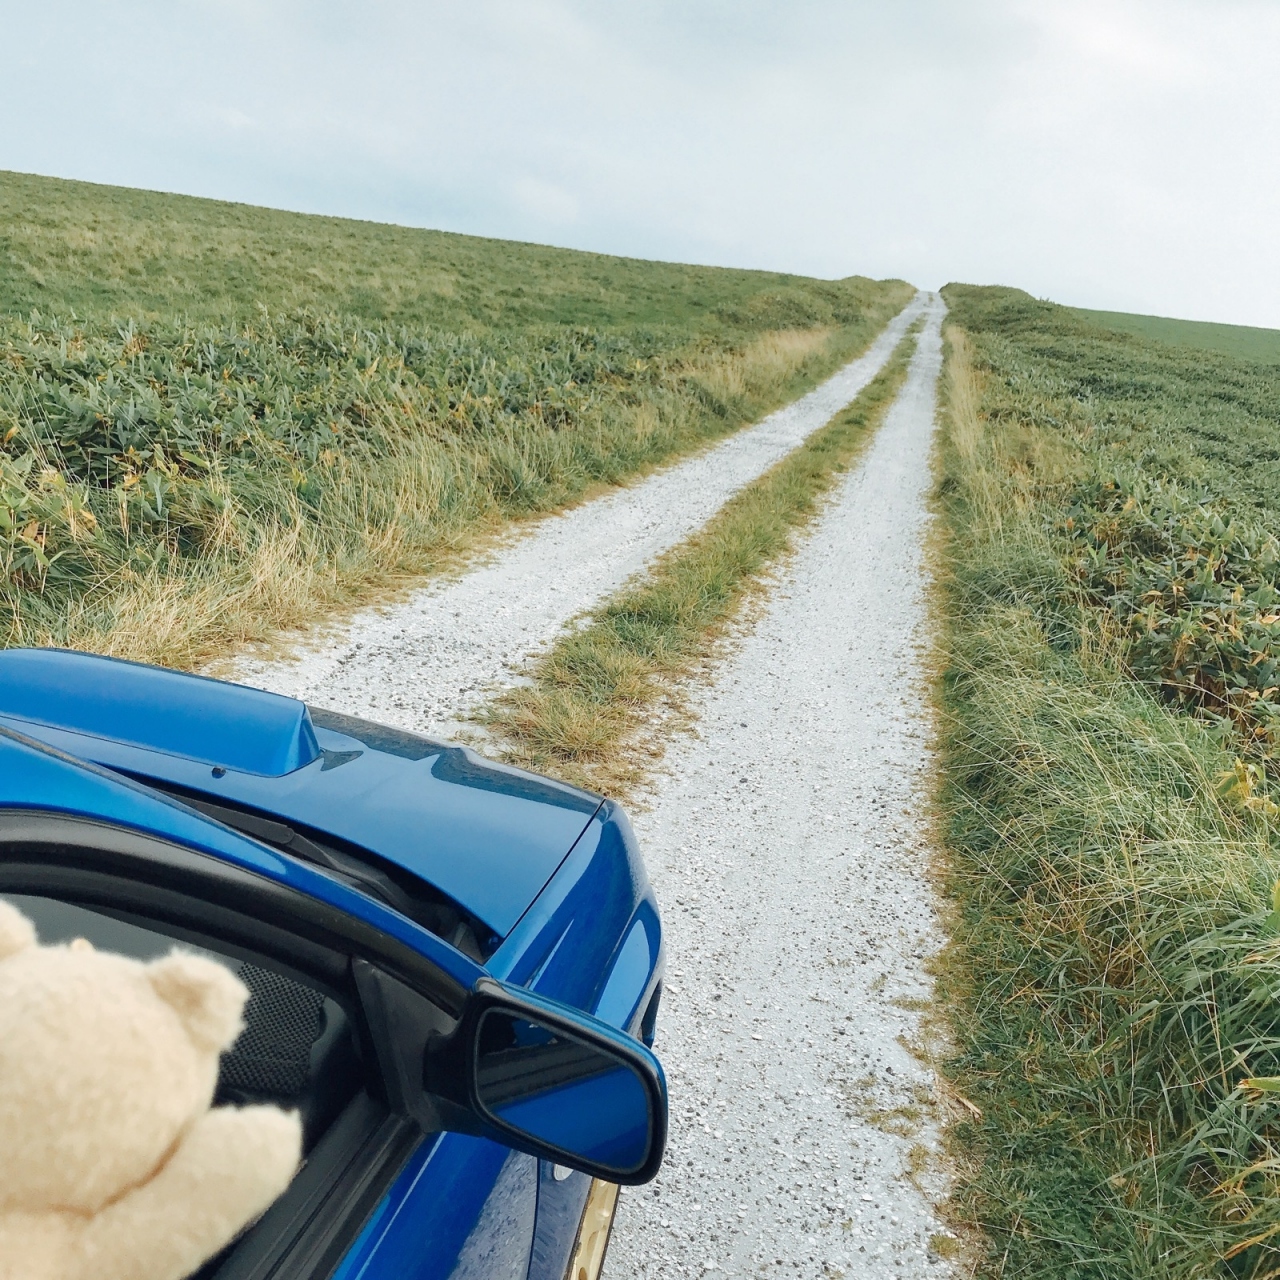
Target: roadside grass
column 219, row 421
column 1114, row 975
column 589, row 712
column 176, row 564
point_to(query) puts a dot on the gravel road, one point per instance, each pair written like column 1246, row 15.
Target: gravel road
column 786, row 842
column 788, row 847
column 430, row 661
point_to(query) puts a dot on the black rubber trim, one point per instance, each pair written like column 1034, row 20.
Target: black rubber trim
column 53, row 853
column 307, row 1232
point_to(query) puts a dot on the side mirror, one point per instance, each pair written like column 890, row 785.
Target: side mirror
column 554, row 1082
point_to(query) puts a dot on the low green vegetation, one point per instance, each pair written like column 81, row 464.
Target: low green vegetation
column 217, row 420
column 1242, row 341
column 1109, row 708
column 590, row 711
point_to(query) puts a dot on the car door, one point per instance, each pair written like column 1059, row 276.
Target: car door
column 84, row 853
column 463, row 1209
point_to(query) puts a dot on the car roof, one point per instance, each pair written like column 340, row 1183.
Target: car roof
column 486, row 835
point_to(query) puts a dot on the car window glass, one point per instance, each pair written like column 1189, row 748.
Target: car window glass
column 58, row 922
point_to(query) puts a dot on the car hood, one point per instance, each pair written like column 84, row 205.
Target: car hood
column 486, row 835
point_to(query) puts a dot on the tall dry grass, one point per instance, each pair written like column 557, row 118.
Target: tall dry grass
column 1114, row 977
column 766, row 361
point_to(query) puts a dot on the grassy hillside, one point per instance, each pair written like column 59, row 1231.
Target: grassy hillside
column 1111, row 506
column 1241, row 341
column 110, row 251
column 216, row 420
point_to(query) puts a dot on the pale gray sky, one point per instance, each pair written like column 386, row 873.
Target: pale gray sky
column 1110, row 153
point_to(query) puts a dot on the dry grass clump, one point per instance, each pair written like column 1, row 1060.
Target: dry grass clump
column 1115, row 971
column 771, row 357
column 591, row 712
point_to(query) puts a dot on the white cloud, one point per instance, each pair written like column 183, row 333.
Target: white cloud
column 546, row 201
column 1141, row 42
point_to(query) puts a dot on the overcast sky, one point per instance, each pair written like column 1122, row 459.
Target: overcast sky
column 1109, row 153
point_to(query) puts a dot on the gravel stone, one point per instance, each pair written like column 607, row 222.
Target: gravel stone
column 430, row 661
column 788, row 846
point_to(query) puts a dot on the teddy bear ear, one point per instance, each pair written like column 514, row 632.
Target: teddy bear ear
column 208, row 998
column 17, row 933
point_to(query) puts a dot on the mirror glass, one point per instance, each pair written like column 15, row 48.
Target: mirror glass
column 576, row 1097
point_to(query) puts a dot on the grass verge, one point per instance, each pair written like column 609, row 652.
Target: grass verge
column 1114, row 978
column 591, row 697
column 217, row 421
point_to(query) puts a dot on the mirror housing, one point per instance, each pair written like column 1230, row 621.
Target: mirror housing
column 538, row 1076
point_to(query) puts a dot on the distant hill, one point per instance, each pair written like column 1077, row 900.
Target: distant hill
column 1231, row 339
column 97, row 250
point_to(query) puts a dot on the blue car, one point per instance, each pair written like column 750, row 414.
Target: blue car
column 454, row 966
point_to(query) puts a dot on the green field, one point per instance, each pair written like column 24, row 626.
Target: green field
column 217, row 420
column 1241, row 341
column 111, row 251
column 1112, row 719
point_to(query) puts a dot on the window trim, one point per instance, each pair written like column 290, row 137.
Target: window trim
column 188, row 888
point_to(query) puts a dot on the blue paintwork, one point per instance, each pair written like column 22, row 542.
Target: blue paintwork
column 599, row 896
column 33, row 777
column 485, row 834
column 629, row 977
column 437, row 1217
column 208, row 720
column 566, row 947
column 555, row 872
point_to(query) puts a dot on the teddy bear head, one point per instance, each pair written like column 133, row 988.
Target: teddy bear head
column 104, row 1061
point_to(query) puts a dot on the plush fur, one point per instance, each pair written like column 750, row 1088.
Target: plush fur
column 112, row 1165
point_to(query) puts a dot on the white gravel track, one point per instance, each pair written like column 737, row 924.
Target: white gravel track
column 787, row 841
column 788, row 847
column 430, row 661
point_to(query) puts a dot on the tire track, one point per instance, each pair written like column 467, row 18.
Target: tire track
column 429, row 662
column 788, row 847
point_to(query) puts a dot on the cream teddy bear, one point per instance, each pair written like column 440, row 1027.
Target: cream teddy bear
column 112, row 1165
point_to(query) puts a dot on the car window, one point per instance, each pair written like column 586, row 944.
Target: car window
column 313, row 1041
column 297, row 1050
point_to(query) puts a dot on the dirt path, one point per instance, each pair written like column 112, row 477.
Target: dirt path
column 430, row 661
column 787, row 844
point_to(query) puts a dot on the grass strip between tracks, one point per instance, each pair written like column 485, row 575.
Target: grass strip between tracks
column 584, row 715
column 1114, row 976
